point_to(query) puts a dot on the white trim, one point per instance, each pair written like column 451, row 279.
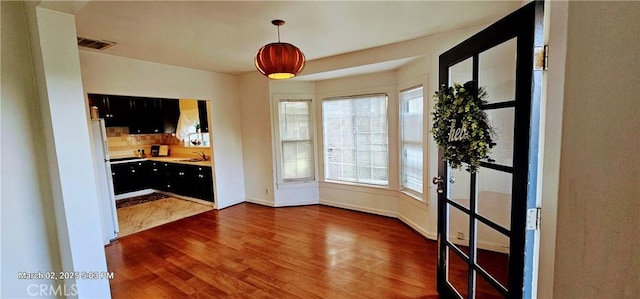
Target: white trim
column 482, row 245
column 229, row 204
column 200, row 201
column 134, row 193
column 297, row 185
column 359, row 208
column 423, row 232
column 418, row 204
column 304, row 202
column 260, row 202
column 276, row 143
column 371, row 189
column 323, row 144
column 412, row 194
column 149, row 191
column 418, row 195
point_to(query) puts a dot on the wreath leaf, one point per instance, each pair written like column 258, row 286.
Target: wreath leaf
column 460, row 127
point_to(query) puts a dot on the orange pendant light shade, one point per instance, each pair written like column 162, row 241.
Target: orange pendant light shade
column 279, row 60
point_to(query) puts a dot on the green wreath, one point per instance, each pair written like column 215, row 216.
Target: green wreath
column 461, row 129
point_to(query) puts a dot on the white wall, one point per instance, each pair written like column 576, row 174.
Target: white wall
column 68, row 147
column 256, row 138
column 124, row 76
column 597, row 250
column 29, row 239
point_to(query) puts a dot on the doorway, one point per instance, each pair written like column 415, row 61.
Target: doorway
column 491, row 206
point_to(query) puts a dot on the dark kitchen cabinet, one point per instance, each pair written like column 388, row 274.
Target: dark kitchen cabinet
column 193, row 181
column 115, row 110
column 181, row 179
column 203, row 183
column 188, row 180
column 158, row 176
column 153, row 116
column 170, row 115
column 203, row 116
column 119, row 173
column 129, row 177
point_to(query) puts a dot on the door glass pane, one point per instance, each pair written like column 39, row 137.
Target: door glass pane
column 492, row 252
column 484, row 290
column 497, row 72
column 494, row 196
column 457, row 273
column 459, row 183
column 458, row 228
column 461, row 72
column 502, row 121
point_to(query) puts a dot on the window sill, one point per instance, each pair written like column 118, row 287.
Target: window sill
column 355, row 187
column 357, row 184
column 297, row 184
column 413, row 195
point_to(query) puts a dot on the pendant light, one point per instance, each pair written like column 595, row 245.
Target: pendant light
column 279, row 60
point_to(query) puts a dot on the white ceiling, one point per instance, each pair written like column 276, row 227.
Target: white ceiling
column 223, row 36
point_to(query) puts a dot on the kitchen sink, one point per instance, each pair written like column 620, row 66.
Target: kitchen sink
column 190, row 160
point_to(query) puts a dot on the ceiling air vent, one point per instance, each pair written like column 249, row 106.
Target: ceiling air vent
column 94, row 43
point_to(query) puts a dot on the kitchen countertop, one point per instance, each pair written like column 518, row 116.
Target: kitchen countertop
column 178, row 160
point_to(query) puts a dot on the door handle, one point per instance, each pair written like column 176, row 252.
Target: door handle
column 438, row 182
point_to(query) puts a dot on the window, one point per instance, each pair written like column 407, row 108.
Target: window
column 411, row 126
column 295, row 140
column 355, row 139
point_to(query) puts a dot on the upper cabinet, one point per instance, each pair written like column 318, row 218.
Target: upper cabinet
column 203, row 116
column 142, row 115
column 170, row 115
column 114, row 109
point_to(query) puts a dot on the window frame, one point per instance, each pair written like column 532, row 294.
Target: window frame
column 278, row 141
column 324, row 150
column 418, row 195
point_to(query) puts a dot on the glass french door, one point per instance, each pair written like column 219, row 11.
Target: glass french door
column 482, row 234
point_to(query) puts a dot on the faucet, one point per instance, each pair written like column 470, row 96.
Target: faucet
column 201, row 154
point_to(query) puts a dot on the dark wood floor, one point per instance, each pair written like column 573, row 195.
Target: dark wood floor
column 250, row 251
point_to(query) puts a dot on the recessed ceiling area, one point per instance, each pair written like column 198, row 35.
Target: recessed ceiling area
column 223, row 36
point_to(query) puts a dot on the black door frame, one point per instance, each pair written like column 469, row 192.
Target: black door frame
column 524, row 25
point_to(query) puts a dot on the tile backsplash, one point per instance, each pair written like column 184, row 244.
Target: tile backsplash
column 123, row 144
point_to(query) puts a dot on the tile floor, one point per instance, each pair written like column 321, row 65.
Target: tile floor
column 143, row 216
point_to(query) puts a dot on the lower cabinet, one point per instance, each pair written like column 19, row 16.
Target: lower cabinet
column 158, row 176
column 182, row 179
column 129, row 177
column 203, row 188
column 192, row 181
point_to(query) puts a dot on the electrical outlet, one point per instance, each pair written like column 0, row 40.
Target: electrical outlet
column 266, row 190
column 460, row 236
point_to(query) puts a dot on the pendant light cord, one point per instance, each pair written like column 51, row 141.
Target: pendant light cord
column 278, row 33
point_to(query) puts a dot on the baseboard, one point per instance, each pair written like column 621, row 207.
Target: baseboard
column 405, row 220
column 417, row 228
column 297, row 203
column 229, row 204
column 259, row 201
column 200, row 201
column 134, row 193
column 359, row 208
column 482, row 245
